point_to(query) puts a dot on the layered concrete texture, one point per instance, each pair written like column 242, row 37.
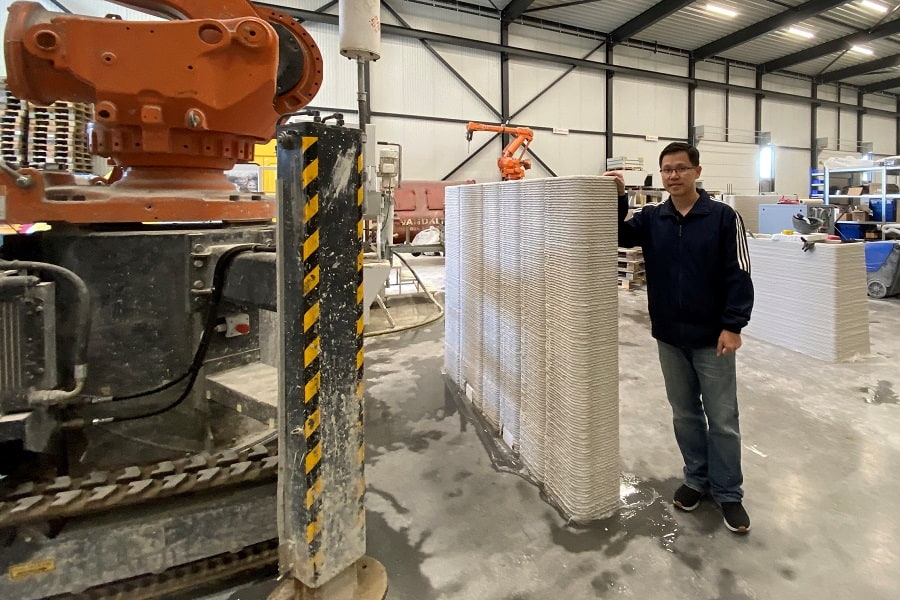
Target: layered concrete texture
column 529, row 335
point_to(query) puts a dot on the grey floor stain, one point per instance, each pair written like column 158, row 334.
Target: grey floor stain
column 788, row 573
column 401, row 557
column 883, row 393
column 645, row 513
column 605, row 582
column 638, row 317
column 728, row 587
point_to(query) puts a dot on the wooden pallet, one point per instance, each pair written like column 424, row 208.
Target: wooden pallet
column 630, row 284
column 631, row 253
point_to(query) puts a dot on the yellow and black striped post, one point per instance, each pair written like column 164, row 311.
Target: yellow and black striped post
column 320, row 293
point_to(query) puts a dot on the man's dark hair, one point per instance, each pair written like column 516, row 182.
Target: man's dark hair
column 675, row 147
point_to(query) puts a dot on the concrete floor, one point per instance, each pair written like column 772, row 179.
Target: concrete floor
column 450, row 518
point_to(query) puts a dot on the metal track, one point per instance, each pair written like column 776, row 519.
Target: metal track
column 105, row 490
column 183, row 577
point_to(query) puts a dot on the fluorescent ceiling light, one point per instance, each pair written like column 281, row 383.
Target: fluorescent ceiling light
column 801, row 32
column 863, row 50
column 876, row 6
column 721, row 10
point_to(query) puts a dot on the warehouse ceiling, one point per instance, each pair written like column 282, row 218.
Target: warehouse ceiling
column 855, row 42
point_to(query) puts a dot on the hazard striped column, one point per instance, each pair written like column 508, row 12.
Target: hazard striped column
column 312, row 375
column 321, row 487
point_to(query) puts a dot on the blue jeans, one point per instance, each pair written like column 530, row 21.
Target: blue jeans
column 702, row 389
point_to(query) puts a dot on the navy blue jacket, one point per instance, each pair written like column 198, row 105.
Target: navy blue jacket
column 698, row 269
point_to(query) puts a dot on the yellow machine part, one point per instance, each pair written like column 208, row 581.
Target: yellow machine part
column 266, row 158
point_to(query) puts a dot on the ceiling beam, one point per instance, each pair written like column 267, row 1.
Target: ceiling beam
column 782, row 19
column 842, row 43
column 515, row 9
column 861, row 69
column 880, row 86
column 652, row 15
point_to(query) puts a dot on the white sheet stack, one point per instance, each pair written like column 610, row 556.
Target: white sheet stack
column 582, row 437
column 490, row 349
column 810, row 302
column 471, row 269
column 452, row 288
column 549, row 338
column 510, row 333
column 533, row 293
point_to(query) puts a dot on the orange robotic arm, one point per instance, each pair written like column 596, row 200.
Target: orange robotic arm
column 511, row 166
column 176, row 102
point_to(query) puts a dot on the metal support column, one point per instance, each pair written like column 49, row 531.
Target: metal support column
column 504, row 81
column 692, row 101
column 727, row 98
column 814, row 130
column 321, row 512
column 609, row 104
column 757, row 112
column 859, row 121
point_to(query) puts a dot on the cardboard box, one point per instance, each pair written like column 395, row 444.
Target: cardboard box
column 859, row 215
column 854, row 191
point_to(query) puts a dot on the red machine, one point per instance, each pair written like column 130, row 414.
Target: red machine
column 511, row 166
column 173, row 124
column 419, row 205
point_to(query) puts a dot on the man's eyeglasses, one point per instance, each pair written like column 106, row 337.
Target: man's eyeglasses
column 667, row 172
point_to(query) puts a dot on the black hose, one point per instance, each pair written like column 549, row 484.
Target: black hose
column 218, row 290
column 82, row 310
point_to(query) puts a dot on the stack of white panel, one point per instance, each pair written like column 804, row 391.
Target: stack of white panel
column 452, row 287
column 470, row 276
column 490, row 349
column 811, row 302
column 582, row 436
column 533, row 292
column 510, row 333
column 545, row 348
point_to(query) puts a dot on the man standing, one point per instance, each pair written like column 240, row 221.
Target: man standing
column 700, row 296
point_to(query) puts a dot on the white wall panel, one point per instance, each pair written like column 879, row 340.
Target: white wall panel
column 741, row 114
column 826, row 123
column 710, row 71
column 828, row 92
column 742, row 76
column 792, row 172
column 649, row 108
column 409, row 80
column 650, row 61
column 339, row 74
column 425, row 159
column 554, row 42
column 787, row 85
column 849, row 96
column 710, row 108
column 882, row 132
column 578, row 101
column 848, row 131
column 480, row 69
column 420, row 16
column 729, row 168
column 572, row 154
column 880, row 102
column 788, row 122
column 634, row 148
